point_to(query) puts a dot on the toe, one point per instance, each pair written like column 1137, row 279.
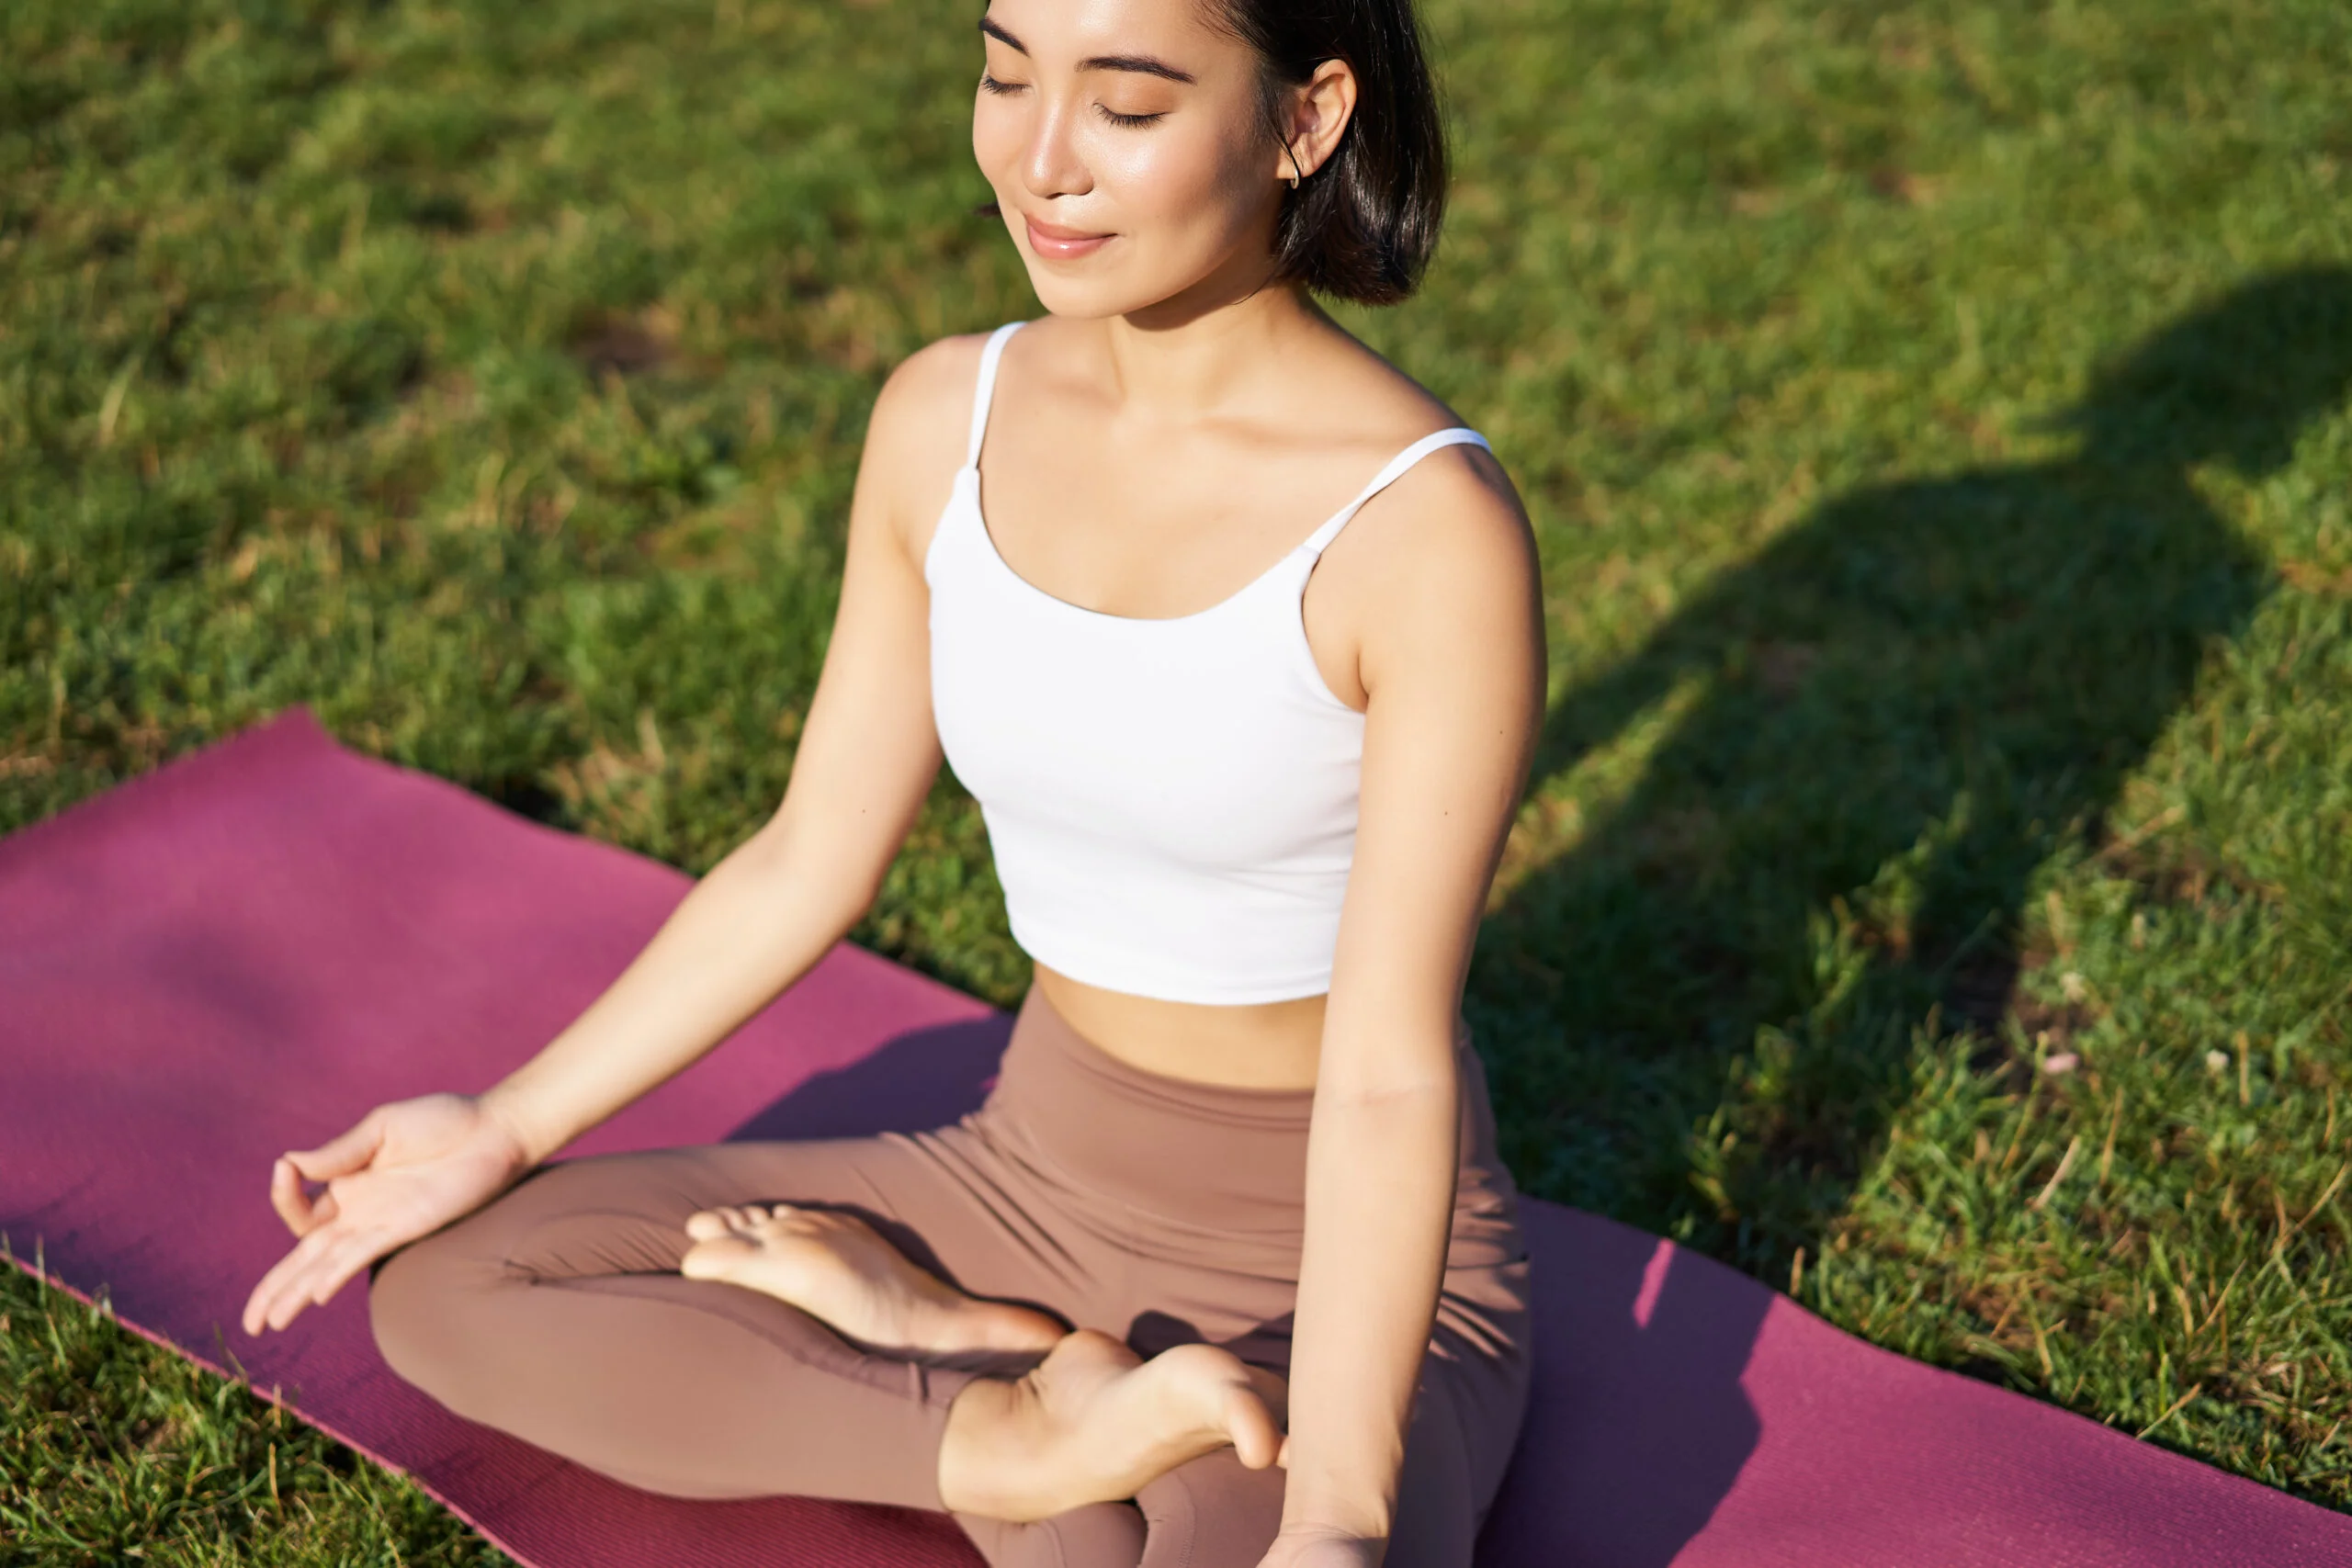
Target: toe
column 715, row 1258
column 706, row 1224
column 1256, row 1440
column 1273, row 1388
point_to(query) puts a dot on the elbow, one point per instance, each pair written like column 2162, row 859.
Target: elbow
column 786, row 870
column 1395, row 1061
column 1390, row 1092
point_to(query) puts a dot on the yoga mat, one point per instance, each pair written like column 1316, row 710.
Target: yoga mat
column 243, row 951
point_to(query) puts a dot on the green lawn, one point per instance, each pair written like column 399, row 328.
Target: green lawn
column 1934, row 896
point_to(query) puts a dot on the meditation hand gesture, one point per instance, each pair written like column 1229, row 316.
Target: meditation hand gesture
column 407, row 1169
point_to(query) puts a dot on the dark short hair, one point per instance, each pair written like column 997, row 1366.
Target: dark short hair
column 1363, row 225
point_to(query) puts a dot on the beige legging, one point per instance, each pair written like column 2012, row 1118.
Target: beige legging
column 1157, row 1211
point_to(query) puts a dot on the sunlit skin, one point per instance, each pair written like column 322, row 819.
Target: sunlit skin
column 1174, row 424
column 1128, row 155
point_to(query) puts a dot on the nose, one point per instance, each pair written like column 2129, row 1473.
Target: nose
column 1052, row 164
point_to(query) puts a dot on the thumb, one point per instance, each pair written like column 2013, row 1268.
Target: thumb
column 341, row 1156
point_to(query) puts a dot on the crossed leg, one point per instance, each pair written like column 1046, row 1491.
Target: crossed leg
column 560, row 1314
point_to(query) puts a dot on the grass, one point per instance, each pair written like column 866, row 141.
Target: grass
column 1933, row 895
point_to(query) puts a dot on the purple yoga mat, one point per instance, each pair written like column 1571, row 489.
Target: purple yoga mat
column 242, row 951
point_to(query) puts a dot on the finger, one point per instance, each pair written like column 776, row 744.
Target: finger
column 287, row 1289
column 302, row 1213
column 341, row 1156
column 267, row 1293
column 298, row 1292
column 336, row 1269
column 285, row 1286
column 256, row 1307
column 285, row 1195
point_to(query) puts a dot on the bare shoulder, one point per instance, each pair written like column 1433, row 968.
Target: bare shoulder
column 1448, row 542
column 1479, row 523
column 915, row 438
column 1456, row 509
column 935, row 380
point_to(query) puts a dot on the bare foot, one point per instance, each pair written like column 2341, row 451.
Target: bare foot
column 1096, row 1421
column 836, row 1267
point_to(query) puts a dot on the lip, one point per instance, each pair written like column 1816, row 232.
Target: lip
column 1057, row 244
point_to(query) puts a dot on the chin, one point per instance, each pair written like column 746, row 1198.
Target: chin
column 1097, row 298
column 1093, row 292
column 1082, row 299
column 1104, row 286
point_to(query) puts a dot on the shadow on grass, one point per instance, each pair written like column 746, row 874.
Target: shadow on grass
column 1701, row 1016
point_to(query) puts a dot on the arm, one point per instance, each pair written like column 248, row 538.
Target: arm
column 768, row 912
column 758, row 921
column 1453, row 664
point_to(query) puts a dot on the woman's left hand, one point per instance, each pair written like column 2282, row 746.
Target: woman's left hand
column 1315, row 1546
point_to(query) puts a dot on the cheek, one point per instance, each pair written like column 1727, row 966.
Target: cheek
column 997, row 132
column 1180, row 182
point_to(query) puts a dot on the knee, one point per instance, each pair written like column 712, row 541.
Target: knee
column 417, row 1308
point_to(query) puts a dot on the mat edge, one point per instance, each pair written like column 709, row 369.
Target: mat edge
column 274, row 1399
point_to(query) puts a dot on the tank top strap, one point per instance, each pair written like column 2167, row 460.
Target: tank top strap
column 1456, row 436
column 986, row 389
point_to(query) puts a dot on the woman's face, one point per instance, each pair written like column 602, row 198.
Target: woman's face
column 1128, row 149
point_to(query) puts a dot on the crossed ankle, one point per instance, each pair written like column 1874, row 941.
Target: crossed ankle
column 1093, row 1423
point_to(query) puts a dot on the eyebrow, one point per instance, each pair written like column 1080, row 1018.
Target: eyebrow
column 1141, row 64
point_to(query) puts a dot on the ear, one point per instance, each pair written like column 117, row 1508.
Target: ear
column 1312, row 116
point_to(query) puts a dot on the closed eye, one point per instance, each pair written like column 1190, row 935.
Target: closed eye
column 1115, row 118
column 989, row 83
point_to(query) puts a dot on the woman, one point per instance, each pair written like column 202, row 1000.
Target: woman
column 1227, row 1270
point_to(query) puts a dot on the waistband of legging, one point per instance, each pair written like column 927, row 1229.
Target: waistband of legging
column 1200, row 1153
column 1039, row 1030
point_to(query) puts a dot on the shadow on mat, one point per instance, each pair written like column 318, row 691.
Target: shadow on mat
column 926, row 1078
column 1872, row 735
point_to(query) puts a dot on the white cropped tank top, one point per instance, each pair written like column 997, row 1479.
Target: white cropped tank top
column 1171, row 802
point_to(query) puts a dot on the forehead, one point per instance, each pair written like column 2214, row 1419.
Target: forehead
column 1076, row 33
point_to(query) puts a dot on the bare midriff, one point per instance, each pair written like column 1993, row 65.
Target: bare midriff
column 1255, row 1045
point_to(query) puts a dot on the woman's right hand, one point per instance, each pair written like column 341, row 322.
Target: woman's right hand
column 407, row 1169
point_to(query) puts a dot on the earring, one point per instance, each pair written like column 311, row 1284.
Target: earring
column 1295, row 175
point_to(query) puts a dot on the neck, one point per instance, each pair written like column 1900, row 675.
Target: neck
column 1199, row 352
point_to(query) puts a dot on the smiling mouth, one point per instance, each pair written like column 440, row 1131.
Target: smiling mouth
column 1056, row 243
